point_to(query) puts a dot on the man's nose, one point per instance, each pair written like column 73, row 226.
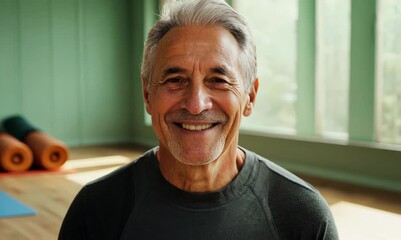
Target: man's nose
column 197, row 99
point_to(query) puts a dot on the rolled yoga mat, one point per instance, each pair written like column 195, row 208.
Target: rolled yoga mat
column 48, row 152
column 15, row 156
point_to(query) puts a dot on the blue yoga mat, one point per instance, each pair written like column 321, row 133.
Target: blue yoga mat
column 9, row 207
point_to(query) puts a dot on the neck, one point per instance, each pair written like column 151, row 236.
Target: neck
column 205, row 178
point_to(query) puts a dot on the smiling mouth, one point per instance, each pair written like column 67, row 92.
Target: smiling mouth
column 197, row 127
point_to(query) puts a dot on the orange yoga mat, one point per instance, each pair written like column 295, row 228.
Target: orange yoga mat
column 15, row 156
column 48, row 153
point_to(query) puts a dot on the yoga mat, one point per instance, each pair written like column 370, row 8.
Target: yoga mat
column 37, row 172
column 18, row 127
column 48, row 152
column 10, row 207
column 15, row 156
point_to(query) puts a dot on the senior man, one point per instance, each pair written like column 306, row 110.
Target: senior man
column 199, row 79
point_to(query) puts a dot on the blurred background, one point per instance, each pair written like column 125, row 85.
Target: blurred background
column 328, row 106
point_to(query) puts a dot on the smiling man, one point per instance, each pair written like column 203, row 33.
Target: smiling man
column 199, row 79
column 196, row 98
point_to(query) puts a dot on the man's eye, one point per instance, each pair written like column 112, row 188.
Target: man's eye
column 174, row 83
column 173, row 80
column 219, row 82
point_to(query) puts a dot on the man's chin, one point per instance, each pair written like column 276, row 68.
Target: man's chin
column 195, row 162
column 197, row 158
column 196, row 154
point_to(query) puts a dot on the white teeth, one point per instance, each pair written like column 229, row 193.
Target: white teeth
column 196, row 127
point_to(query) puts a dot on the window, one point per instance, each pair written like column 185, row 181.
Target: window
column 273, row 25
column 389, row 71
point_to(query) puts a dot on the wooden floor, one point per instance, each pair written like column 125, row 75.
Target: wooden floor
column 358, row 210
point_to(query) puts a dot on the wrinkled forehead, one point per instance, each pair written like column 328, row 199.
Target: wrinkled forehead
column 208, row 46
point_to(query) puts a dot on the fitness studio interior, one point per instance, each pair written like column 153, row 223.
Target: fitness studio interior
column 328, row 106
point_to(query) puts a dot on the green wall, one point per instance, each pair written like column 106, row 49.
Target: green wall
column 66, row 67
column 357, row 163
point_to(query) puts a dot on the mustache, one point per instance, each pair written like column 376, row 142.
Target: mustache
column 207, row 115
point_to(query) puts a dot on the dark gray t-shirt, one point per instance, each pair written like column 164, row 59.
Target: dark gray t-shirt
column 264, row 201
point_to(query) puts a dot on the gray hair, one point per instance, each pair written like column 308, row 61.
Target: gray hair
column 180, row 13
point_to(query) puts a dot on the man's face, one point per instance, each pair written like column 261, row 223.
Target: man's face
column 197, row 97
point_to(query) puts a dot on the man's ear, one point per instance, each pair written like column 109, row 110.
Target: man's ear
column 251, row 98
column 145, row 92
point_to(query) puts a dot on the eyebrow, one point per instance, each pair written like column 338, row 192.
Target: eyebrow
column 221, row 70
column 172, row 70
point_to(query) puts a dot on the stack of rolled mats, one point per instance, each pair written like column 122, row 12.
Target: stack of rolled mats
column 24, row 147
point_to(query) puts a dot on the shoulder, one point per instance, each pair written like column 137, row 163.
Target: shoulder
column 274, row 177
column 119, row 181
column 102, row 206
column 296, row 207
